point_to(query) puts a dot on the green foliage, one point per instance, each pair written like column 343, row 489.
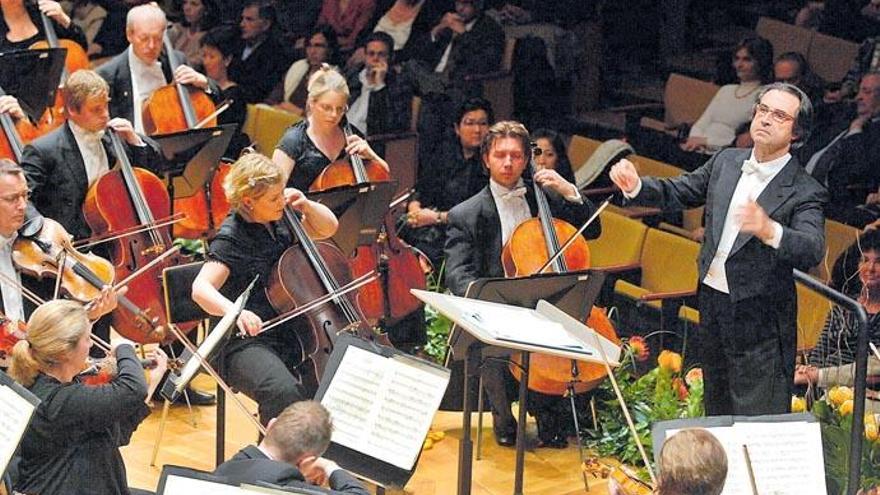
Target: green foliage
column 437, row 326
column 194, row 247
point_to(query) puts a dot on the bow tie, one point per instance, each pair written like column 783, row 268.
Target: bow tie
column 518, row 192
column 751, row 167
column 92, row 137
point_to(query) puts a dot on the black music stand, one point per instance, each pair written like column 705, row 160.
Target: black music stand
column 360, row 210
column 574, row 293
column 33, row 77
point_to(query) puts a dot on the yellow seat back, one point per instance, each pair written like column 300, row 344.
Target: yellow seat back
column 838, row 238
column 266, row 124
column 620, row 243
column 669, row 262
column 813, row 309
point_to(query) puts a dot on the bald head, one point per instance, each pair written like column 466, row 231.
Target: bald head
column 144, row 28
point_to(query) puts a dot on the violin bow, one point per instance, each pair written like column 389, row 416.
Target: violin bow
column 220, row 109
column 751, row 471
column 624, row 407
column 574, row 236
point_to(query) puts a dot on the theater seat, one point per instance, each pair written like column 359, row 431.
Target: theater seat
column 813, row 309
column 619, row 247
column 266, row 124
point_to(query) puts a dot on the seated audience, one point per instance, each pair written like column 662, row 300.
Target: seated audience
column 218, row 47
column 347, row 18
column 380, row 101
column 199, row 16
column 692, row 462
column 88, row 15
column 260, row 59
column 793, row 68
column 290, row 454
column 291, row 93
column 453, row 175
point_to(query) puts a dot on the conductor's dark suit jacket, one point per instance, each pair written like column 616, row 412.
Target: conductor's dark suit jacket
column 250, row 465
column 56, row 175
column 473, row 235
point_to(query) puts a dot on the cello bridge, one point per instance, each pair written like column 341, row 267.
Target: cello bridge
column 154, row 250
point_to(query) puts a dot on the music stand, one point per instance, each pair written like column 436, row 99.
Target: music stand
column 33, row 77
column 192, row 156
column 574, row 294
column 360, row 210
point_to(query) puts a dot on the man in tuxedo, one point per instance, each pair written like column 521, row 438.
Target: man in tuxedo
column 136, row 73
column 290, row 454
column 480, row 226
column 763, row 218
column 261, row 60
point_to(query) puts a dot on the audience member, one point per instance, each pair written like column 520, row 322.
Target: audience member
column 111, row 37
column 218, row 47
column 88, row 15
column 199, row 16
column 406, row 21
column 793, row 68
column 291, row 93
column 290, row 454
column 347, row 18
column 380, row 100
column 260, row 60
column 692, row 462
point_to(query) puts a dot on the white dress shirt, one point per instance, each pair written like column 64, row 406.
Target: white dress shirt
column 92, row 150
column 145, row 78
column 360, row 108
column 513, row 209
column 13, row 305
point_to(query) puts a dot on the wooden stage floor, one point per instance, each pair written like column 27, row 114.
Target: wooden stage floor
column 547, row 471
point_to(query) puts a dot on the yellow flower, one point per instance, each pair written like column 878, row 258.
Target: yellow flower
column 669, row 360
column 871, row 431
column 839, row 395
column 846, row 408
column 798, row 404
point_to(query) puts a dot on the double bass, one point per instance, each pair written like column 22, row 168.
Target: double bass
column 306, row 272
column 530, row 246
column 124, row 198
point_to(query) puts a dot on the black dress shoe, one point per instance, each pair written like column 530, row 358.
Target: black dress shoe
column 197, row 398
column 505, row 439
column 555, row 442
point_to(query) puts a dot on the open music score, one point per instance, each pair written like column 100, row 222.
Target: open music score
column 383, row 406
column 17, row 405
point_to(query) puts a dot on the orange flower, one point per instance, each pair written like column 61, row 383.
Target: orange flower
column 669, row 360
column 639, row 348
column 680, row 388
column 693, row 376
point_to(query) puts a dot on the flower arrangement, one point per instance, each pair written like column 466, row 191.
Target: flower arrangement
column 834, row 412
column 667, row 391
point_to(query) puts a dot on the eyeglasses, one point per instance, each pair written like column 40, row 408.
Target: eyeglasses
column 326, row 108
column 778, row 116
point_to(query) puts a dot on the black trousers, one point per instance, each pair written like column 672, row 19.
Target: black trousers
column 264, row 369
column 747, row 352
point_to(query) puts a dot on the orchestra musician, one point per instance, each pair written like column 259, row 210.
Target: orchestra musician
column 72, row 443
column 134, row 74
column 479, row 227
column 22, row 26
column 248, row 244
column 9, row 105
column 763, row 218
column 309, row 146
column 290, row 454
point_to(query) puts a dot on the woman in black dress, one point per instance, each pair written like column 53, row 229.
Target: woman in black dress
column 72, row 443
column 318, row 140
column 248, row 244
column 22, row 27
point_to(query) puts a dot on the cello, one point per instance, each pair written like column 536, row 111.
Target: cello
column 174, row 108
column 123, row 198
column 303, row 273
column 11, row 146
column 532, row 243
column 349, row 172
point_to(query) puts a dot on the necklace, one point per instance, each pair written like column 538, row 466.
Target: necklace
column 750, row 91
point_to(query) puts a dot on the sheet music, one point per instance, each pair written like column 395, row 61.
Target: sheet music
column 15, row 413
column 786, row 457
column 182, row 485
column 383, row 407
column 522, row 325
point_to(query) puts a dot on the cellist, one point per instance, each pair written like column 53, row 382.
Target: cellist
column 479, row 227
column 248, row 244
column 136, row 73
column 22, row 27
column 9, row 105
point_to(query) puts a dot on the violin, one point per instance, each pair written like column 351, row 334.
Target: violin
column 123, row 198
column 11, row 146
column 624, row 481
column 531, row 245
column 349, row 171
column 11, row 331
column 175, row 108
column 103, row 371
column 308, row 271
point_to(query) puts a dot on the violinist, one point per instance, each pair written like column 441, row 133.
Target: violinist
column 318, row 140
column 134, row 74
column 248, row 244
column 72, row 443
column 22, row 26
column 692, row 462
column 479, row 227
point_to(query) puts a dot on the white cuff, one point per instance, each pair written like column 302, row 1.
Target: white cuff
column 776, row 239
column 635, row 192
column 575, row 198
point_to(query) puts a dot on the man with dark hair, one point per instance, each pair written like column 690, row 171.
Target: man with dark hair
column 381, row 100
column 763, row 218
column 290, row 454
column 260, row 61
column 479, row 228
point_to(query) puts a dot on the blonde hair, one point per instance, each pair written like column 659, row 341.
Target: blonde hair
column 692, row 462
column 250, row 176
column 303, row 428
column 324, row 80
column 53, row 331
column 83, row 85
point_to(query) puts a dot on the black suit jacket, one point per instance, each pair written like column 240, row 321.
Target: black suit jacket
column 473, row 235
column 792, row 198
column 261, row 71
column 477, row 51
column 56, row 175
column 117, row 73
column 251, row 465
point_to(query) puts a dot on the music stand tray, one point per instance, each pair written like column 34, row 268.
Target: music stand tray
column 33, row 77
column 360, row 209
column 192, row 156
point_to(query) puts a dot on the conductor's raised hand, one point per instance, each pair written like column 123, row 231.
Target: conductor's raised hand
column 625, row 176
column 754, row 220
column 249, row 323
